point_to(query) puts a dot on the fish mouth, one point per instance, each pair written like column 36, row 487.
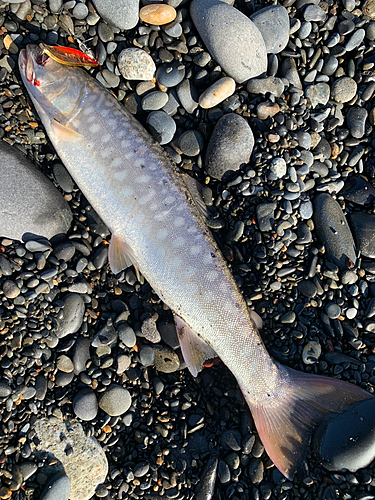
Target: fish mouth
column 29, row 57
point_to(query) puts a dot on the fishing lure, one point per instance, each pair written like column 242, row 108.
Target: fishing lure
column 68, row 56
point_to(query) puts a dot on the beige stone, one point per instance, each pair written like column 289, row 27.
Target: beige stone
column 217, row 93
column 157, row 14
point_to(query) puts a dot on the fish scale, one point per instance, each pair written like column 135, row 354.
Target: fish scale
column 155, row 216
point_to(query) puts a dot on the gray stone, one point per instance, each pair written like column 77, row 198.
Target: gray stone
column 161, row 126
column 356, row 119
column 72, row 317
column 265, row 213
column 188, row 95
column 314, row 13
column 154, row 101
column 57, row 488
column 86, row 466
column 318, row 93
column 115, row 401
column 230, row 146
column 289, row 71
column 81, row 354
column 85, row 404
column 120, row 13
column 237, row 45
column 5, row 390
column 127, row 335
column 333, row 231
column 170, row 74
column 273, row 23
column 271, row 84
column 146, row 355
column 30, row 204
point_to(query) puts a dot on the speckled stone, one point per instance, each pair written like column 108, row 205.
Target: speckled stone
column 136, row 64
column 86, row 466
column 115, row 401
column 343, row 89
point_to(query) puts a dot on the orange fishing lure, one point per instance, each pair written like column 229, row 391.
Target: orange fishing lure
column 68, row 56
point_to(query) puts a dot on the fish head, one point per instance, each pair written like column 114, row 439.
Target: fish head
column 51, row 85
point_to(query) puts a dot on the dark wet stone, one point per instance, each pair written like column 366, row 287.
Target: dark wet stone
column 36, row 207
column 356, row 120
column 63, row 177
column 307, row 288
column 333, row 231
column 230, row 146
column 63, row 379
column 232, row 440
column 206, row 485
column 256, row 470
column 358, row 190
column 332, row 310
column 347, row 441
column 85, row 404
column 169, row 335
column 323, row 148
column 265, row 216
column 73, row 311
column 223, row 472
column 81, row 354
column 363, row 225
column 57, row 488
column 40, row 387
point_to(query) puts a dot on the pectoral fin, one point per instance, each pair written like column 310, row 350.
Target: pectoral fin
column 63, row 132
column 194, row 350
column 120, row 255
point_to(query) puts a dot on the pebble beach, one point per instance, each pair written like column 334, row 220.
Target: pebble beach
column 271, row 107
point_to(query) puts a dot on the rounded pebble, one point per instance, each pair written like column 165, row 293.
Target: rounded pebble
column 115, row 401
column 157, row 14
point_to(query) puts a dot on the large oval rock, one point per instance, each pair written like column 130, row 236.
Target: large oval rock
column 231, row 38
column 363, row 225
column 333, row 231
column 273, row 23
column 30, row 205
column 120, row 13
column 347, row 441
column 57, row 488
column 230, row 145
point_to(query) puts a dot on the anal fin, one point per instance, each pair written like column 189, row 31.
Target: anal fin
column 120, row 255
column 194, row 350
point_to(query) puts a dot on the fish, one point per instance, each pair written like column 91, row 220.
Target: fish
column 157, row 220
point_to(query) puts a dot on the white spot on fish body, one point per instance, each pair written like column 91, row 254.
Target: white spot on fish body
column 169, row 199
column 117, row 162
column 178, row 222
column 162, row 234
column 88, row 111
column 120, row 175
column 106, row 138
column 128, row 191
column 106, row 152
column 94, row 128
column 179, row 242
column 195, row 250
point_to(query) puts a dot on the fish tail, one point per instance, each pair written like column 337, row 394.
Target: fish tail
column 286, row 420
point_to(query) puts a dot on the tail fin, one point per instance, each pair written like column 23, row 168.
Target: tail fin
column 285, row 423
